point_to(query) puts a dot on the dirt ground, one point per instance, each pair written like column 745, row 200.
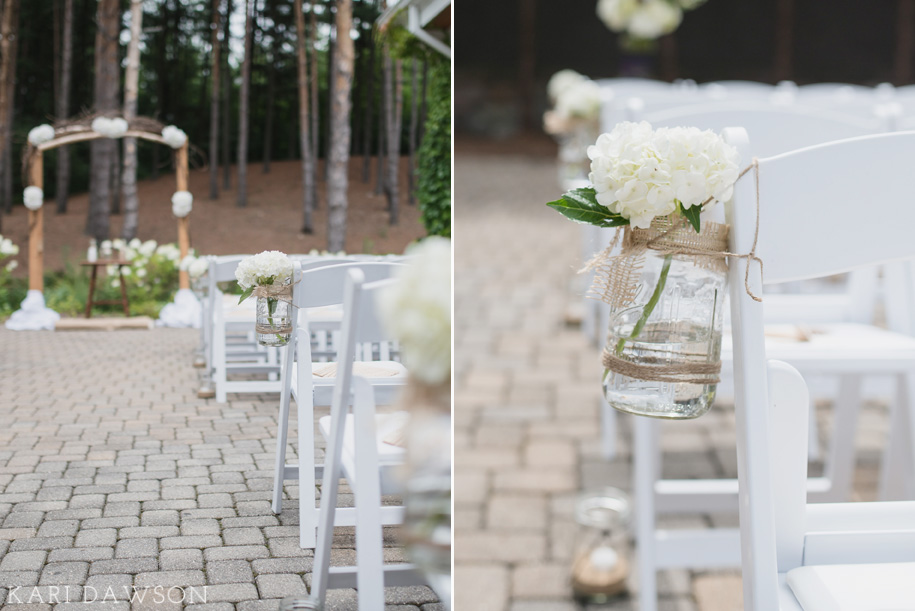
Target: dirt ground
column 272, row 219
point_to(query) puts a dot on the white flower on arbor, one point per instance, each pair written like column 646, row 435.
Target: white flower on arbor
column 641, row 173
column 182, row 203
column 417, row 310
column 33, row 197
column 41, row 134
column 174, row 137
column 110, row 128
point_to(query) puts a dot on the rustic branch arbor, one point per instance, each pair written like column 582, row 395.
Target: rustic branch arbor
column 33, row 313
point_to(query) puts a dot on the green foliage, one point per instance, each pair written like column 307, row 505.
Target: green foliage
column 581, row 205
column 433, row 189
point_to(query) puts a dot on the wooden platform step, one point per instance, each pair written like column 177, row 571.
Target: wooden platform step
column 104, row 323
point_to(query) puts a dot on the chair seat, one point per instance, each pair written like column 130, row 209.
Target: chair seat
column 858, row 347
column 854, row 587
column 387, row 426
column 372, row 370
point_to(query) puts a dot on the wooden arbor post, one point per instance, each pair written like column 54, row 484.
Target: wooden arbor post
column 36, row 225
column 184, row 236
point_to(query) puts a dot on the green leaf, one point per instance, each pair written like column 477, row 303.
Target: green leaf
column 246, row 294
column 581, row 205
column 692, row 215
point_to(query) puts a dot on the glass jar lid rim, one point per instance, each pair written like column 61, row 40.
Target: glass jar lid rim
column 605, row 508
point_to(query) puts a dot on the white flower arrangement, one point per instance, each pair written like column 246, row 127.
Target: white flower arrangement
column 169, row 251
column 417, row 311
column 148, row 248
column 644, row 19
column 7, row 248
column 110, row 128
column 639, row 174
column 33, row 197
column 561, row 82
column 580, row 100
column 198, row 268
column 263, row 269
column 41, row 134
column 182, row 203
column 173, row 136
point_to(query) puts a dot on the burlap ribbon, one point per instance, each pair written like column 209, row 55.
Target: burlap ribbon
column 616, row 283
column 281, row 292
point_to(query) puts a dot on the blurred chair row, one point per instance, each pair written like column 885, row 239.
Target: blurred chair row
column 848, row 358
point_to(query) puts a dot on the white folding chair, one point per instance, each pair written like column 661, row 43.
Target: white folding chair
column 234, row 351
column 310, row 383
column 840, row 374
column 355, row 451
column 835, row 556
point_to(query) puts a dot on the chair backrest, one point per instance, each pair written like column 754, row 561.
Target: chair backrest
column 323, row 286
column 822, row 210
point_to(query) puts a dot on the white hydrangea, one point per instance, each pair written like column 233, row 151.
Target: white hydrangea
column 169, row 251
column 641, row 174
column 135, row 243
column 148, row 248
column 655, row 18
column 198, row 268
column 33, row 197
column 561, row 81
column 41, row 134
column 648, row 19
column 12, row 265
column 7, row 248
column 110, row 128
column 173, row 136
column 580, row 100
column 182, row 203
column 263, row 268
column 417, row 310
column 616, row 13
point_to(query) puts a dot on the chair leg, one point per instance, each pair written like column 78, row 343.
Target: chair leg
column 609, row 418
column 369, row 540
column 308, row 513
column 896, row 465
column 645, row 461
column 841, row 465
column 282, row 432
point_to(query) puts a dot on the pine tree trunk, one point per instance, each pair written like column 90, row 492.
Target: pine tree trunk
column 382, row 120
column 107, row 78
column 369, row 73
column 271, row 83
column 115, row 179
column 337, row 179
column 308, row 203
column 11, row 112
column 331, row 70
column 422, row 105
column 414, row 124
column 8, row 28
column 214, row 101
column 394, row 109
column 242, row 198
column 62, row 106
column 131, row 91
column 226, row 101
column 315, row 109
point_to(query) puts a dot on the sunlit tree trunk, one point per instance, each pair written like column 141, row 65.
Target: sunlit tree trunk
column 62, row 105
column 131, row 89
column 313, row 29
column 337, row 178
column 242, row 199
column 308, row 202
column 271, row 82
column 107, row 77
column 369, row 74
column 331, row 69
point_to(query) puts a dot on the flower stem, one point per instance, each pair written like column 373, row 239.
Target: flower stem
column 650, row 306
column 271, row 309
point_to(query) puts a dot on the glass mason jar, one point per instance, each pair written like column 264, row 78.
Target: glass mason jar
column 275, row 318
column 200, row 285
column 675, row 326
column 600, row 560
column 427, row 499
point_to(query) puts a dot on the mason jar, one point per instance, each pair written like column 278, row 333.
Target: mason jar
column 600, row 560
